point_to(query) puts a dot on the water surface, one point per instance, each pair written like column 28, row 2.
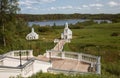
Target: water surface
column 62, row 22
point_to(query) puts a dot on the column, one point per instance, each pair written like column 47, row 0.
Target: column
column 12, row 53
column 98, row 66
column 30, row 53
column 47, row 54
column 63, row 55
column 79, row 57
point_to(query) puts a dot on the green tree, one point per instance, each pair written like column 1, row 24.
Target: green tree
column 8, row 9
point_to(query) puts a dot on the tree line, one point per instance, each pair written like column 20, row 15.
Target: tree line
column 44, row 17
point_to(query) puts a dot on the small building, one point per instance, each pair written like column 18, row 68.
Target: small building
column 67, row 34
column 32, row 36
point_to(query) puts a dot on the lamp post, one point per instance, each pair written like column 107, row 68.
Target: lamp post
column 20, row 46
column 20, row 58
column 27, row 54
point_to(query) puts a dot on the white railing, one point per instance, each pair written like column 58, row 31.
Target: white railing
column 87, row 58
column 16, row 53
column 72, row 55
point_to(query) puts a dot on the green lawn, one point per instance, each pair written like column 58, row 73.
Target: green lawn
column 96, row 40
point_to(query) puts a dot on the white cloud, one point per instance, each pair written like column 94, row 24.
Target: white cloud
column 33, row 4
column 46, row 0
column 112, row 3
column 97, row 0
column 78, row 8
column 60, row 8
column 24, row 3
column 65, row 7
column 98, row 8
column 85, row 6
column 68, row 7
column 96, row 5
column 52, row 8
column 30, row 2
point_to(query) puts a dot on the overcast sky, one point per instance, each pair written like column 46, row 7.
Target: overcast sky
column 69, row 6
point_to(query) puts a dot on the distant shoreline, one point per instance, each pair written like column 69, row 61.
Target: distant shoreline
column 62, row 22
column 45, row 17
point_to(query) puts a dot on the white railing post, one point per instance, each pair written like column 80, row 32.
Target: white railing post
column 12, row 53
column 98, row 65
column 79, row 57
column 63, row 55
column 47, row 54
column 30, row 53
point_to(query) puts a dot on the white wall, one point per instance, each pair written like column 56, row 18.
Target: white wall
column 12, row 62
column 6, row 73
column 41, row 65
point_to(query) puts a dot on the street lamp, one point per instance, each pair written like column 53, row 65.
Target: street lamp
column 20, row 58
column 20, row 53
column 27, row 54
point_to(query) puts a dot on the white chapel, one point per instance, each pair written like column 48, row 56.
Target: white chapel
column 32, row 36
column 67, row 34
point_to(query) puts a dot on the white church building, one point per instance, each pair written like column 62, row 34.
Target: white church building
column 32, row 36
column 67, row 34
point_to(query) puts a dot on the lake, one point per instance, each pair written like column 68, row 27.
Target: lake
column 62, row 22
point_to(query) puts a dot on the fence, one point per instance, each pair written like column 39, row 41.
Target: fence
column 16, row 53
column 87, row 58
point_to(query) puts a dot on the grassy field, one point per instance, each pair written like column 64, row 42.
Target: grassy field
column 102, row 40
column 97, row 40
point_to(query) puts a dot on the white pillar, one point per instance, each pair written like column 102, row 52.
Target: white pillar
column 98, row 66
column 79, row 57
column 63, row 55
column 30, row 53
column 47, row 54
column 12, row 53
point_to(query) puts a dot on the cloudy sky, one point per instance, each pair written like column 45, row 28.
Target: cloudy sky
column 69, row 6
